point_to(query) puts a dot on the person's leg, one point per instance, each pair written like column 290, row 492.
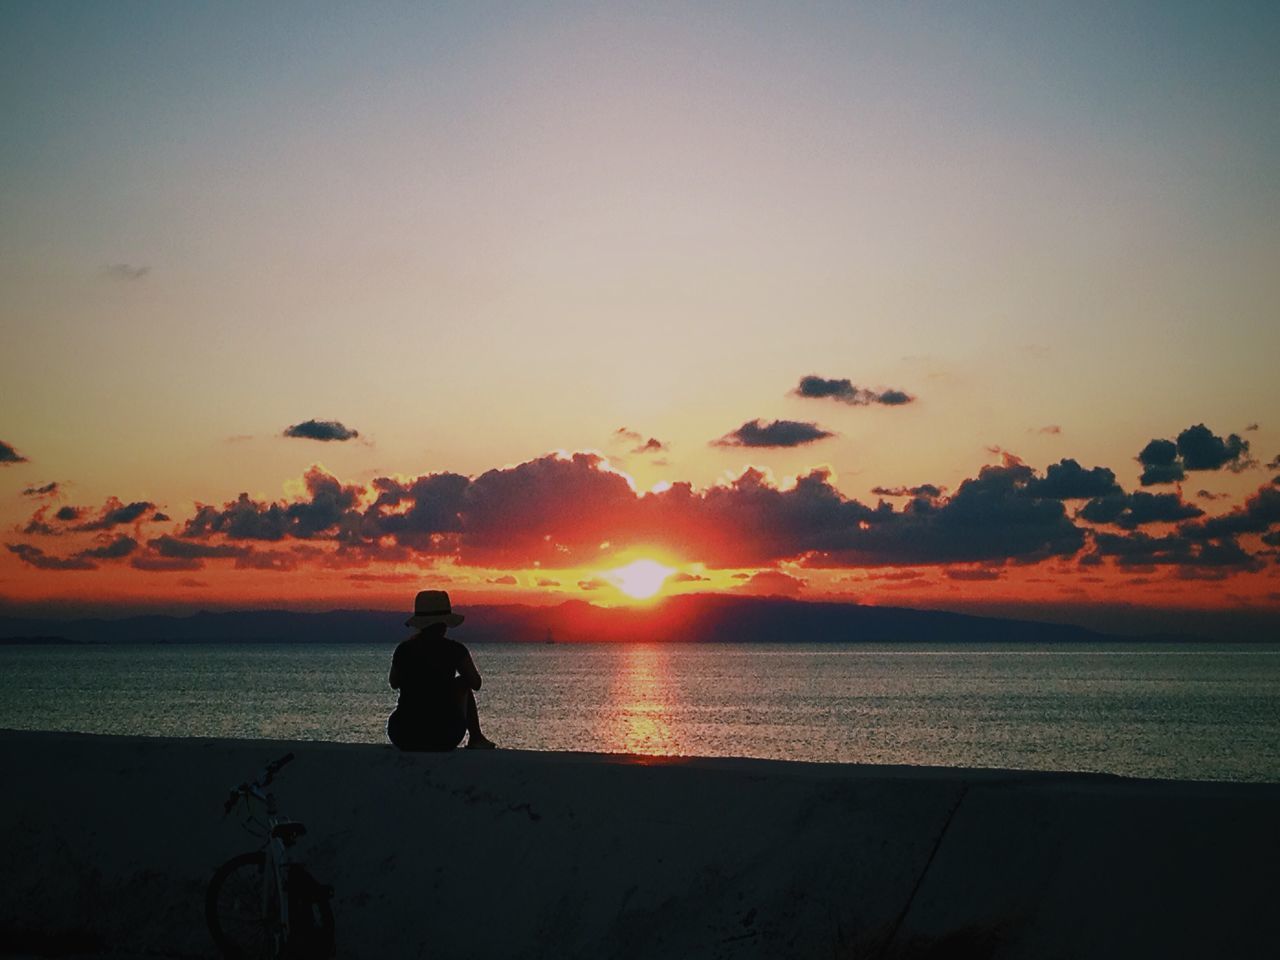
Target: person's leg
column 476, row 740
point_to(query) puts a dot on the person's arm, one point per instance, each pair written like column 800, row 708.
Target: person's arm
column 468, row 671
column 394, row 678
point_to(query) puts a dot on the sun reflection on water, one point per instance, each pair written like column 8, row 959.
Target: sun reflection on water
column 641, row 704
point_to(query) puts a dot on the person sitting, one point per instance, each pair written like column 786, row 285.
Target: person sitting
column 437, row 681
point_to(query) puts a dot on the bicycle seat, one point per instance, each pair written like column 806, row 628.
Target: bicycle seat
column 289, row 831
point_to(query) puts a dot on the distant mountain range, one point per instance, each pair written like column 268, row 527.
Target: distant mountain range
column 706, row 618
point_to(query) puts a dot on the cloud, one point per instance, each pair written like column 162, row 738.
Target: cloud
column 125, row 272
column 1250, row 428
column 1197, row 448
column 1051, row 429
column 972, row 573
column 1132, row 510
column 46, row 490
column 817, row 388
column 652, row 445
column 556, row 511
column 10, row 455
column 321, row 430
column 683, row 577
column 1201, row 450
column 327, row 505
column 113, row 550
column 779, row 433
column 167, row 546
column 1174, row 549
column 152, row 563
column 628, row 435
column 43, row 561
column 548, row 582
column 1159, row 459
column 595, row 583
column 1207, row 495
column 1274, row 463
column 505, row 580
column 1067, row 480
column 114, row 513
column 928, row 491
column 1258, row 514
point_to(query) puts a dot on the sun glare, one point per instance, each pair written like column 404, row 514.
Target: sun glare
column 640, row 579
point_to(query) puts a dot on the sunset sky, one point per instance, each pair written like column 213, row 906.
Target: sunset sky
column 315, row 305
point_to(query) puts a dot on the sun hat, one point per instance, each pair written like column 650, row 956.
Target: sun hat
column 432, row 606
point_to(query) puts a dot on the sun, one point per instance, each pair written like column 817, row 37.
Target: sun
column 640, row 579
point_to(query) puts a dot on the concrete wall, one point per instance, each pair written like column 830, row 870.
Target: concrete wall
column 109, row 842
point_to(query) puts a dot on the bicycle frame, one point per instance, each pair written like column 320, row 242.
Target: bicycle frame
column 278, row 858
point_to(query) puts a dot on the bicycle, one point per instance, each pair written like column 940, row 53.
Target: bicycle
column 264, row 904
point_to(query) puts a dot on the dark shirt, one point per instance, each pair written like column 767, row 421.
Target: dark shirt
column 424, row 668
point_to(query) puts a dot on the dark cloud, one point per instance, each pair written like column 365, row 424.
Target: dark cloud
column 652, row 445
column 151, row 563
column 779, row 433
column 505, row 580
column 843, row 390
column 556, row 511
column 46, row 490
column 160, row 517
column 274, row 560
column 1259, row 512
column 125, row 272
column 172, row 547
column 1159, row 460
column 1140, row 549
column 1274, row 463
column 547, row 582
column 114, row 550
column 43, row 561
column 1133, row 510
column 928, row 491
column 1197, row 448
column 321, row 430
column 1067, row 480
column 1201, row 450
column 972, row 573
column 10, row 455
column 683, row 577
column 1207, row 495
column 114, row 514
column 323, row 514
column 68, row 514
column 1250, row 428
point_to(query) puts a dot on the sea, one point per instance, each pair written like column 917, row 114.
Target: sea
column 1177, row 711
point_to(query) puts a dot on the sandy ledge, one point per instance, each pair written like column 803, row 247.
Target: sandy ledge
column 109, row 842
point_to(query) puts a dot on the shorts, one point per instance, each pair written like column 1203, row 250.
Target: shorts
column 426, row 730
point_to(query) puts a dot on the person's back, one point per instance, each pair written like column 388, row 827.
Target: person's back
column 426, row 667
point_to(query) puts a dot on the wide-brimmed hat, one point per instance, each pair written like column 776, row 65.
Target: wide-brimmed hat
column 432, row 606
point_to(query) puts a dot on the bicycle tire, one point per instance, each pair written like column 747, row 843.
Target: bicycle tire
column 233, row 909
column 312, row 938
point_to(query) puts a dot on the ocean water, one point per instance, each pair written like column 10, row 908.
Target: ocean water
column 1183, row 712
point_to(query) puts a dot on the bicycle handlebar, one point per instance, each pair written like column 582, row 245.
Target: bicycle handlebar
column 250, row 789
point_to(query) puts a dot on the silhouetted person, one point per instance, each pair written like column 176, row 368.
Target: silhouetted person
column 436, row 679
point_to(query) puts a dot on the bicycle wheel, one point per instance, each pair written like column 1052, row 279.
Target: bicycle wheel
column 233, row 908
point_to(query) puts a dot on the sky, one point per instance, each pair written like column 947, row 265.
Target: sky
column 314, row 305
